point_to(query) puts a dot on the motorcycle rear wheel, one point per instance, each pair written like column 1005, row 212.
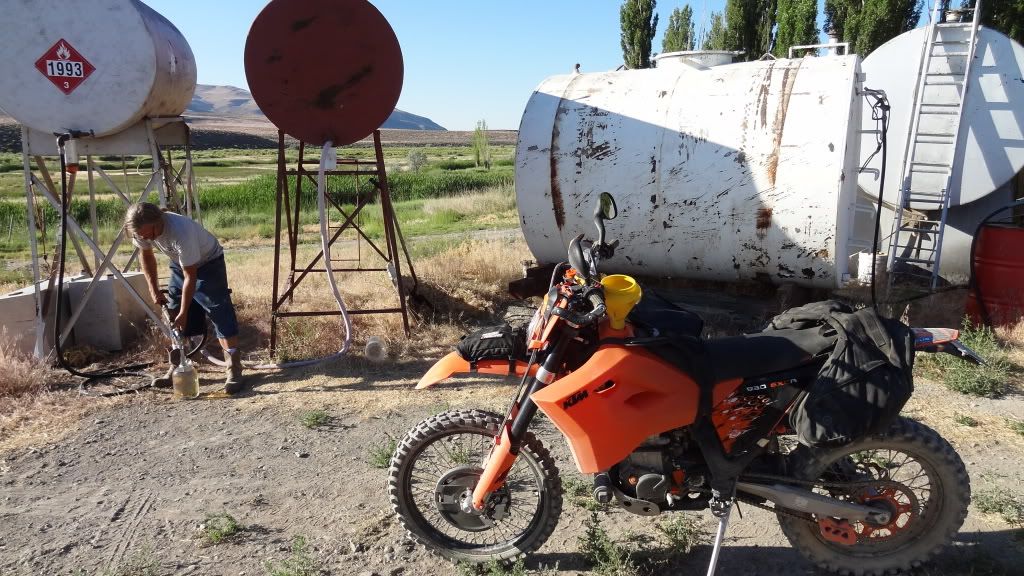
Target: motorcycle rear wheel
column 929, row 508
column 453, row 445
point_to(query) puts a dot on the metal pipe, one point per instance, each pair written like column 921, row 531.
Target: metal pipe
column 281, row 189
column 389, row 228
column 90, row 166
column 30, row 208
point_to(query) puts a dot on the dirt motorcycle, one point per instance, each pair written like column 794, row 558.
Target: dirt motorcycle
column 667, row 421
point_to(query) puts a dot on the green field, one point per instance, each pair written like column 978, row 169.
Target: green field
column 237, row 193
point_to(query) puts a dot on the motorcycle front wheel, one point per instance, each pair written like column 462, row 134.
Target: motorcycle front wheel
column 924, row 485
column 434, row 470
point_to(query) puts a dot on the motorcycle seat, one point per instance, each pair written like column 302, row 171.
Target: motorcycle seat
column 766, row 352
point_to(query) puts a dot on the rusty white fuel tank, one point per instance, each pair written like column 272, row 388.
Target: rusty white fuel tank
column 100, row 65
column 737, row 172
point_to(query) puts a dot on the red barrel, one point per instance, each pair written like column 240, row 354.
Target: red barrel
column 998, row 275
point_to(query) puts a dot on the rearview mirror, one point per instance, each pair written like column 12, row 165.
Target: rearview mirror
column 606, row 208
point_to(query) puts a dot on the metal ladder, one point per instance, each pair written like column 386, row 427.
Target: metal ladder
column 926, row 177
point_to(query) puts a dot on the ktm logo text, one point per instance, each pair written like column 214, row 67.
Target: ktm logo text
column 574, row 399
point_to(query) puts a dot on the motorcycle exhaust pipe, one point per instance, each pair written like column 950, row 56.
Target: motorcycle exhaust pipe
column 818, row 504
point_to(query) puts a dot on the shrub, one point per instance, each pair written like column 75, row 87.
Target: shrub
column 217, row 528
column 1000, row 501
column 991, row 379
column 300, row 563
column 380, row 455
column 607, row 557
column 314, row 418
column 417, row 160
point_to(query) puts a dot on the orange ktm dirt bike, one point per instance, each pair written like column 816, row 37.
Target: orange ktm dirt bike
column 666, row 421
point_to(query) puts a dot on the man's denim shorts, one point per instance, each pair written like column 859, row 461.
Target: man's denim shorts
column 212, row 296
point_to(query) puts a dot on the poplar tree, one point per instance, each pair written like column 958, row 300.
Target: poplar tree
column 867, row 24
column 679, row 34
column 797, row 25
column 716, row 38
column 638, row 22
column 481, row 149
column 1007, row 16
column 749, row 25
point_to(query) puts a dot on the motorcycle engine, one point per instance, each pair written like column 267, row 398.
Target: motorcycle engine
column 660, row 471
column 644, row 474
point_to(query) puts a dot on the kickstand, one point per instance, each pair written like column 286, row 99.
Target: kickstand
column 723, row 523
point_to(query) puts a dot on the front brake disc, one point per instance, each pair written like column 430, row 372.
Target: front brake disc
column 453, row 498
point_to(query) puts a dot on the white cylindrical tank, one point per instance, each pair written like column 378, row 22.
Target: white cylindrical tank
column 990, row 149
column 707, row 58
column 744, row 171
column 100, row 66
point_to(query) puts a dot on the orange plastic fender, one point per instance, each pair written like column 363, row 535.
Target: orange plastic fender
column 454, row 363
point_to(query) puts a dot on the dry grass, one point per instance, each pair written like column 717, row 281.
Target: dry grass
column 1012, row 335
column 492, row 200
column 462, row 284
column 32, row 408
column 19, row 375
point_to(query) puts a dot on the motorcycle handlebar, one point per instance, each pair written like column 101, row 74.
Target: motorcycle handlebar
column 596, row 299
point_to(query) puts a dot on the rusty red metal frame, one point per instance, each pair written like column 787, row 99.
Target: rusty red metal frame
column 288, row 200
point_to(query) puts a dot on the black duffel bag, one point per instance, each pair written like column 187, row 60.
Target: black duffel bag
column 494, row 343
column 865, row 382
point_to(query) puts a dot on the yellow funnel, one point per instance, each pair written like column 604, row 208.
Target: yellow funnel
column 621, row 293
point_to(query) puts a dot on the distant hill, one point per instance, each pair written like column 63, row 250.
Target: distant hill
column 230, row 101
column 227, row 117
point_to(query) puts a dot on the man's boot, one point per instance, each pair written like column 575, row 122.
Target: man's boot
column 234, row 382
column 165, row 380
column 173, row 358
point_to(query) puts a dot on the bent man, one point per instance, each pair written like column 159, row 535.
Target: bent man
column 198, row 287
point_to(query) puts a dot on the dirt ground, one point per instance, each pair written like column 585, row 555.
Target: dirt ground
column 127, row 489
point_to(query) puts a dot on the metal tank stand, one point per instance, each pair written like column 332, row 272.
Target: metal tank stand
column 174, row 187
column 287, row 219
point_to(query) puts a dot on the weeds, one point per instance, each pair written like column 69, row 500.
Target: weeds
column 607, row 557
column 217, row 528
column 142, row 563
column 684, row 532
column 990, row 380
column 965, row 420
column 380, row 456
column 580, row 493
column 1002, row 502
column 314, row 418
column 300, row 563
column 492, row 568
column 1016, row 425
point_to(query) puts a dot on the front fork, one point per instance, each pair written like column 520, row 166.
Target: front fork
column 513, row 429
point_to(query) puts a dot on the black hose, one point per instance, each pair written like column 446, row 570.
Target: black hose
column 131, row 370
column 973, row 282
column 880, row 113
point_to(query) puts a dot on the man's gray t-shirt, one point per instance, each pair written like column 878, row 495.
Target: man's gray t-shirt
column 184, row 240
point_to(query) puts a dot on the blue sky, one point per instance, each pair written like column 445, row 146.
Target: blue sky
column 464, row 60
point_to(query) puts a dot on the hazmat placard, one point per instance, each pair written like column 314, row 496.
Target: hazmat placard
column 64, row 66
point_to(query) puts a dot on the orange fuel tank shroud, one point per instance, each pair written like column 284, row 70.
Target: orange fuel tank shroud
column 617, row 399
